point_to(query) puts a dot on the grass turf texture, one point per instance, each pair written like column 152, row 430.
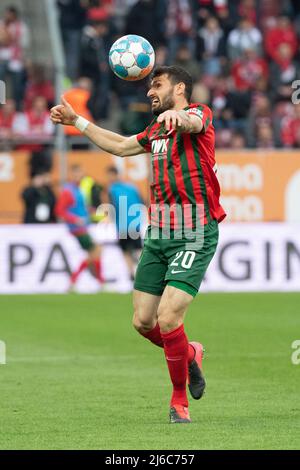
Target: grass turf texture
column 79, row 377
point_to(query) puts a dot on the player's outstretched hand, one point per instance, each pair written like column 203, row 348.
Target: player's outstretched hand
column 63, row 113
column 172, row 120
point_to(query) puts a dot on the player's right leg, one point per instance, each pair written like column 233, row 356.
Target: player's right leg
column 95, row 264
column 145, row 316
column 171, row 313
column 83, row 241
column 92, row 262
column 148, row 288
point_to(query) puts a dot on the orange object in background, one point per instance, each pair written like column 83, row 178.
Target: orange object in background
column 256, row 186
column 78, row 98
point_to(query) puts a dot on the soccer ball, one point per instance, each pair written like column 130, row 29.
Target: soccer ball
column 131, row 57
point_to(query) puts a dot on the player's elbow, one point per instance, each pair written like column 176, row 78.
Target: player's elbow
column 122, row 150
column 129, row 146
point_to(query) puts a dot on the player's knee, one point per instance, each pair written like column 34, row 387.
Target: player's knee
column 140, row 325
column 95, row 252
column 169, row 318
column 169, row 310
column 169, row 323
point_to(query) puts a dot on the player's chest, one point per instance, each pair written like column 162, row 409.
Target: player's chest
column 163, row 147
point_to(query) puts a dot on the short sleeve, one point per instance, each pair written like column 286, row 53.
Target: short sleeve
column 143, row 140
column 204, row 113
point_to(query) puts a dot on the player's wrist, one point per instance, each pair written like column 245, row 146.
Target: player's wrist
column 81, row 123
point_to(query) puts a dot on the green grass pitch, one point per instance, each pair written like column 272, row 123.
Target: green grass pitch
column 79, row 377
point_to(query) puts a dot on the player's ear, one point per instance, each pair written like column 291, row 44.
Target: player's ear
column 180, row 88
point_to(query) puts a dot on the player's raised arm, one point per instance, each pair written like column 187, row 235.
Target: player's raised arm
column 106, row 140
column 181, row 121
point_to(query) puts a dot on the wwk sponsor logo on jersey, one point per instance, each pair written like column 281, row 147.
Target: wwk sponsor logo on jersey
column 159, row 148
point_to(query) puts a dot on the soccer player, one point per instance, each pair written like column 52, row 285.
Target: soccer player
column 184, row 214
column 119, row 190
column 72, row 209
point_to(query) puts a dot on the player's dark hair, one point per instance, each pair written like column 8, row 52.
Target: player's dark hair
column 176, row 75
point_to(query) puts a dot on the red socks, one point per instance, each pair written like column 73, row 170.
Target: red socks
column 98, row 269
column 176, row 348
column 179, row 353
column 155, row 337
column 81, row 268
column 95, row 268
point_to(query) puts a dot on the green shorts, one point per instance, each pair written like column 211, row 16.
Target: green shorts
column 181, row 263
column 85, row 241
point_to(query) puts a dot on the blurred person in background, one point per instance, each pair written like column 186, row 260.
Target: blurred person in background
column 231, row 106
column 145, row 19
column 79, row 96
column 201, row 92
column 95, row 45
column 185, row 59
column 72, row 19
column 246, row 36
column 224, row 10
column 283, row 32
column 268, row 11
column 260, row 115
column 37, row 119
column 39, row 200
column 225, row 124
column 247, row 9
column 71, row 208
column 161, row 53
column 130, row 246
column 94, row 195
column 41, row 161
column 36, row 126
column 265, row 138
column 290, row 126
column 180, row 27
column 211, row 47
column 14, row 43
column 238, row 141
column 38, row 84
column 248, row 69
column 227, row 14
column 135, row 116
column 283, row 72
column 11, row 124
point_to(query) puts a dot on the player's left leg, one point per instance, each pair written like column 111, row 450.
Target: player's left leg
column 93, row 260
column 131, row 249
column 171, row 313
column 95, row 264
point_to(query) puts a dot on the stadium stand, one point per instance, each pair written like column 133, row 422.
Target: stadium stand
column 244, row 56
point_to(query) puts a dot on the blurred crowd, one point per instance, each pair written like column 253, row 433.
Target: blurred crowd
column 243, row 55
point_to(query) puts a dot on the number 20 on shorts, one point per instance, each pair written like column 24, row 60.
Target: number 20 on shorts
column 184, row 259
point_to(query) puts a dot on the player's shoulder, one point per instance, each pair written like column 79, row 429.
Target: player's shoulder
column 153, row 122
column 152, row 127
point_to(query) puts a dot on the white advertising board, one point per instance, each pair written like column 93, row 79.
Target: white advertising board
column 250, row 257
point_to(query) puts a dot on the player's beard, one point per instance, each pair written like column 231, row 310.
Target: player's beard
column 166, row 103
